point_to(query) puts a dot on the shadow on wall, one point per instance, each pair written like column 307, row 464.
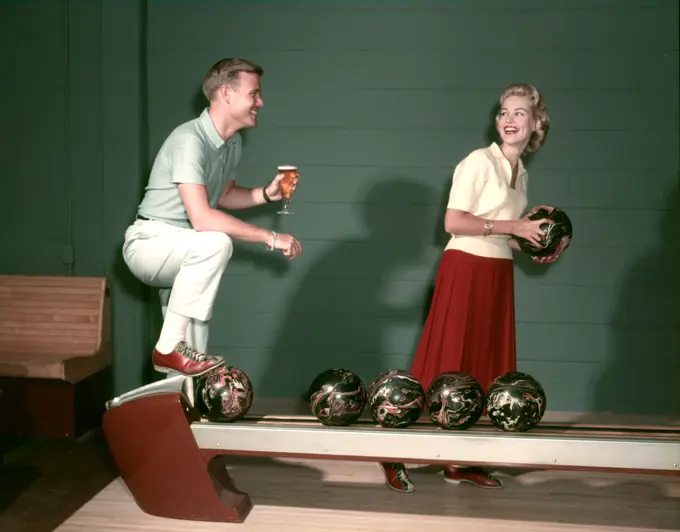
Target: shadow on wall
column 198, row 102
column 342, row 309
column 137, row 291
column 643, row 376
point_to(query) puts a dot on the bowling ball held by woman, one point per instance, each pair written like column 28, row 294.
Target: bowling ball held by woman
column 556, row 234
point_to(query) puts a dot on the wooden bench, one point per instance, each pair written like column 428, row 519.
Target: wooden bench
column 55, row 354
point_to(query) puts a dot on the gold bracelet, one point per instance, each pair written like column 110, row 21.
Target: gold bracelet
column 271, row 248
column 488, row 228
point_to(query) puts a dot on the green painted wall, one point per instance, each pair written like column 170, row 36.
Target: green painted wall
column 376, row 102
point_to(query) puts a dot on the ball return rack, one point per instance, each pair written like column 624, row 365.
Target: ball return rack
column 173, row 461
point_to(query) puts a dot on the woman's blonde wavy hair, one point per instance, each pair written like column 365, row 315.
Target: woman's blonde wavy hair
column 539, row 111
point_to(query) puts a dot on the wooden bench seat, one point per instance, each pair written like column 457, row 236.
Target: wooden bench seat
column 55, row 353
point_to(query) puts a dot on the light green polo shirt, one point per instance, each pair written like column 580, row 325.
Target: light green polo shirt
column 193, row 153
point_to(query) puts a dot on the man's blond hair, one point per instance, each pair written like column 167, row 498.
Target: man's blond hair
column 226, row 72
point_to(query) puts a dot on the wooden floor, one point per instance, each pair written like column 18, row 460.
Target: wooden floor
column 306, row 496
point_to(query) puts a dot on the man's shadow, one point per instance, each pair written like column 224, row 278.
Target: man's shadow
column 352, row 298
column 643, row 376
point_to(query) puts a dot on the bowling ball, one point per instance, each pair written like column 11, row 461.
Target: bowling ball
column 455, row 400
column 337, row 397
column 515, row 402
column 223, row 394
column 396, row 399
column 553, row 232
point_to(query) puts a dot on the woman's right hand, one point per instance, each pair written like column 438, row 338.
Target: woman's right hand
column 530, row 229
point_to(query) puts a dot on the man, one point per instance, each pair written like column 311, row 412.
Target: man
column 181, row 241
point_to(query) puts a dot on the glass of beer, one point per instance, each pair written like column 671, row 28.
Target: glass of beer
column 286, row 184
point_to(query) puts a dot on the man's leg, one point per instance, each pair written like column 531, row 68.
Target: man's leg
column 198, row 332
column 197, row 336
column 192, row 263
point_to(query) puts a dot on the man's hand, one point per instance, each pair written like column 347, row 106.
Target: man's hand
column 273, row 189
column 235, row 197
column 287, row 244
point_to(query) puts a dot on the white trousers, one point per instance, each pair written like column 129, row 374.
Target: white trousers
column 185, row 265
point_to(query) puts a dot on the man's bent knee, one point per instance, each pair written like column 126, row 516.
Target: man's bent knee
column 213, row 244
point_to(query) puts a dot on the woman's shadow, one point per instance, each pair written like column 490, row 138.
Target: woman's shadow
column 349, row 302
column 642, row 377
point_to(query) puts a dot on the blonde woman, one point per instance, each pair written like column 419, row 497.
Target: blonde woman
column 471, row 323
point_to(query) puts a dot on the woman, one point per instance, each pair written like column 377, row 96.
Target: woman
column 471, row 323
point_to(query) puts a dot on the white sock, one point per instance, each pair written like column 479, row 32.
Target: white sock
column 197, row 335
column 174, row 330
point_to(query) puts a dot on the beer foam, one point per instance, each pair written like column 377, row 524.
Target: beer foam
column 285, row 167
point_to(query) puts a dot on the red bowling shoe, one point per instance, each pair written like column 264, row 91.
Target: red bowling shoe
column 185, row 360
column 397, row 478
column 471, row 475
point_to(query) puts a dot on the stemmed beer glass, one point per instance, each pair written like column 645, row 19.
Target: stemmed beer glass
column 286, row 184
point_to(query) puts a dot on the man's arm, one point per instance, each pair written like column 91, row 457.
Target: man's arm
column 205, row 218
column 236, row 197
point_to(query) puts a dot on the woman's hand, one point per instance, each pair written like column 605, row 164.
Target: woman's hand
column 530, row 229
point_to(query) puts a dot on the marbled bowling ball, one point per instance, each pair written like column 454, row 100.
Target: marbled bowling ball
column 455, row 400
column 223, row 394
column 515, row 402
column 396, row 399
column 553, row 232
column 337, row 397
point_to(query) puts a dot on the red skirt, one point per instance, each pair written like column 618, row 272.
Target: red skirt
column 470, row 326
